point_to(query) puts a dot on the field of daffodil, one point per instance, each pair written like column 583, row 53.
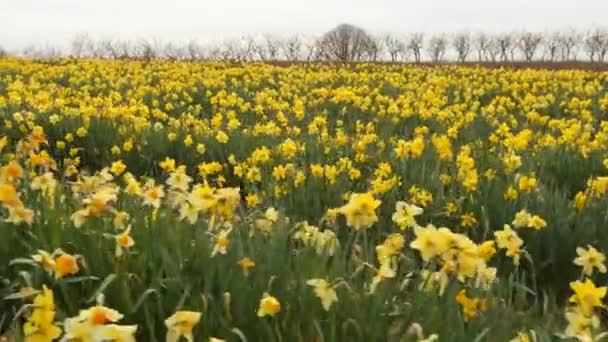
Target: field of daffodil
column 159, row 201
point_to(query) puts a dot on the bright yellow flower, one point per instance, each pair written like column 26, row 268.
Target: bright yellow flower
column 587, row 295
column 470, row 306
column 468, row 220
column 81, row 132
column 128, row 145
column 246, row 264
column 486, row 250
column 11, row 172
column 360, row 211
column 269, row 306
column 510, row 194
column 524, row 337
column 537, row 222
column 123, row 241
column 317, row 171
column 252, row 200
column 8, row 195
column 188, row 140
column 222, row 137
column 168, row 164
column 431, row 242
column 527, row 183
column 181, row 324
column 40, row 326
column 522, row 219
column 118, row 167
column 65, row 264
column 580, row 200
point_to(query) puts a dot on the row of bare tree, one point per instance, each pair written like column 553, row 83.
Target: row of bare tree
column 348, row 43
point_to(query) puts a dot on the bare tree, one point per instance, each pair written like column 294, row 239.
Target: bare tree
column 462, row 45
column 372, row 49
column 29, row 51
column 231, row 50
column 494, row 50
column 105, row 48
column 47, row 51
column 436, row 49
column 551, row 46
column 126, row 49
column 147, row 49
column 528, row 43
column 3, row 52
column 249, row 45
column 173, row 51
column 261, row 52
column 505, row 44
column 81, row 44
column 311, row 49
column 568, row 43
column 596, row 45
column 213, row 51
column 345, row 43
column 292, row 48
column 273, row 47
column 394, row 46
column 592, row 44
column 194, row 50
column 415, row 44
column 482, row 44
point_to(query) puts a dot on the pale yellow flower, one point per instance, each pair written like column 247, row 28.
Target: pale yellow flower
column 181, row 324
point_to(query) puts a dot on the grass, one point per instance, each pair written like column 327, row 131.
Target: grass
column 341, row 118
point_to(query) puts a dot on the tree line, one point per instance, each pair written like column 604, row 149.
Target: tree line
column 349, row 43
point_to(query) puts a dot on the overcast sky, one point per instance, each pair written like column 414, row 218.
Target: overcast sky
column 25, row 22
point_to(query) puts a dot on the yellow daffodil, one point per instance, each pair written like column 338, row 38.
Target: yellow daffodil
column 405, row 213
column 246, row 264
column 269, row 306
column 589, row 259
column 40, row 326
column 587, row 295
column 181, row 324
column 325, row 291
column 470, row 306
column 360, row 211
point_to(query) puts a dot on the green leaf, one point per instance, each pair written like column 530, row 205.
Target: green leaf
column 481, row 335
column 239, row 333
column 142, row 298
column 106, row 282
column 19, row 295
column 22, row 261
column 76, row 280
